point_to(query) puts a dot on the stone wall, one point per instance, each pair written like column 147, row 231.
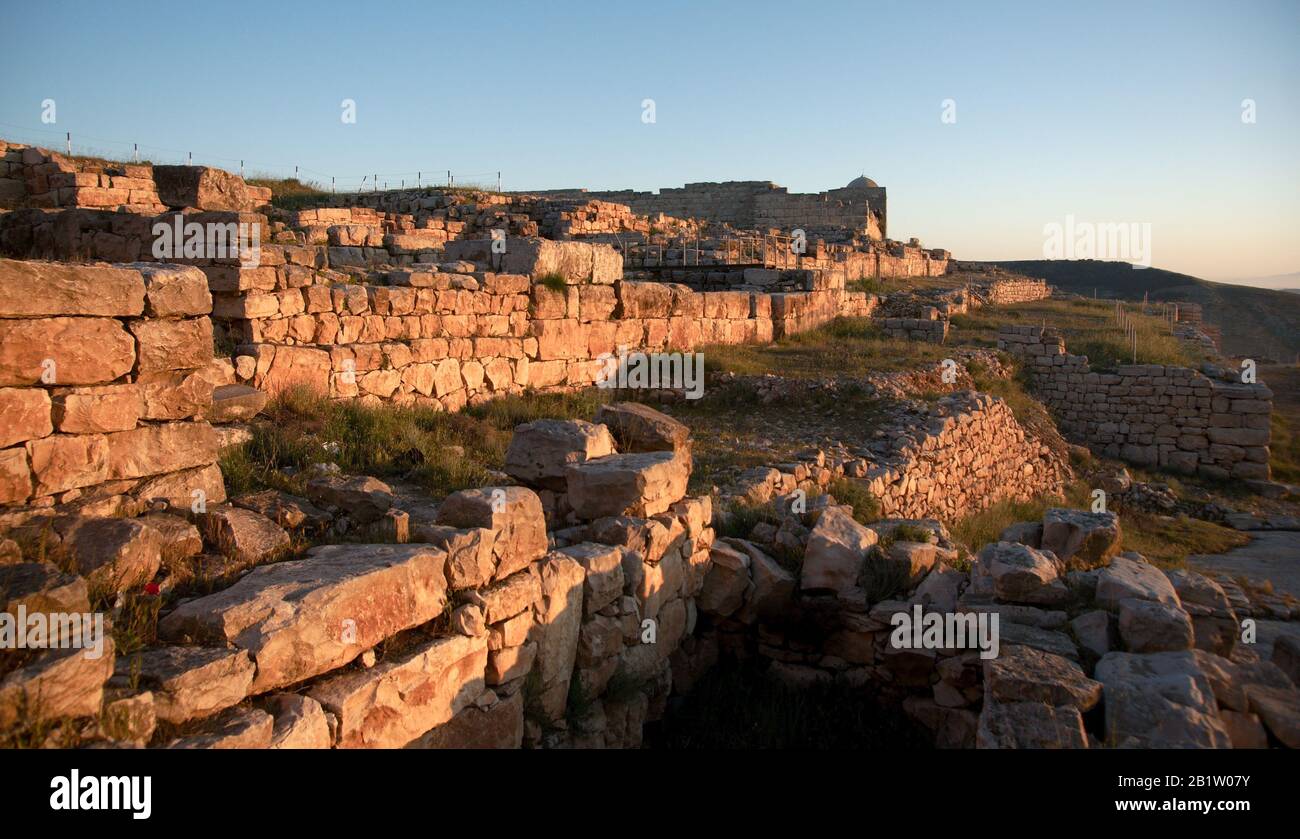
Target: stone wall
column 755, row 204
column 457, row 332
column 36, row 177
column 105, row 378
column 1150, row 414
column 470, row 626
column 931, row 330
column 956, row 457
column 1017, row 291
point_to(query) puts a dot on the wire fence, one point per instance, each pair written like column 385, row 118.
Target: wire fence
column 83, row 145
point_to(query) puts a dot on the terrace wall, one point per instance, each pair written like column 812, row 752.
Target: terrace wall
column 1150, row 414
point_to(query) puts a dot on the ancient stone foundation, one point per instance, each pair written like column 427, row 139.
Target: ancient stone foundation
column 1150, row 414
column 105, row 384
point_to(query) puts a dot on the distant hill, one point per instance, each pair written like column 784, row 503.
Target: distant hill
column 1255, row 321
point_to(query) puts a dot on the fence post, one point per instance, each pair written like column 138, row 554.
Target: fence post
column 69, row 136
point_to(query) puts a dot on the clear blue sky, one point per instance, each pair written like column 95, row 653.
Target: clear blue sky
column 1119, row 112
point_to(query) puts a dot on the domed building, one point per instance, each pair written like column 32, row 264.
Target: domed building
column 862, row 182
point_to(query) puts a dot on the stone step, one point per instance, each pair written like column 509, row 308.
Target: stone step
column 236, row 403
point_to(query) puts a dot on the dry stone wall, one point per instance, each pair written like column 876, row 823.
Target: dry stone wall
column 1150, row 414
column 106, row 375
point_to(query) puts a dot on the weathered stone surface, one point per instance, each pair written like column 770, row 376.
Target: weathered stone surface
column 301, row 618
column 1279, row 708
column 64, row 351
column 1286, row 655
column 836, row 550
column 1147, row 626
column 540, row 451
column 499, row 726
column 183, row 489
column 128, row 718
column 180, row 539
column 30, row 289
column 1080, row 538
column 394, row 703
column 1214, row 621
column 188, row 682
column 118, row 554
column 510, row 663
column 773, row 586
column 513, row 514
column 242, row 534
column 1030, row 725
column 640, row 428
column 58, row 683
column 559, row 618
column 26, row 413
column 174, row 291
column 1160, row 700
column 1045, row 640
column 41, row 587
column 1131, row 576
column 68, row 461
column 97, row 410
column 288, row 511
column 602, row 566
column 300, row 722
column 359, row 497
column 155, row 449
column 15, row 476
column 240, row 728
column 510, row 596
column 236, row 403
column 727, row 582
column 202, row 188
column 1023, row 674
column 172, row 344
column 470, row 560
column 1092, row 631
column 1245, row 730
column 641, row 484
column 1015, row 572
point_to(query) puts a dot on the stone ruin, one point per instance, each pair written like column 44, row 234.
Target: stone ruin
column 569, row 604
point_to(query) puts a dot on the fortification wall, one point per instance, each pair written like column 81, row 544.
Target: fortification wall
column 1005, row 291
column 105, row 380
column 1150, row 414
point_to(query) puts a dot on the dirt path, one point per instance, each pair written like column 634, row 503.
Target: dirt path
column 1270, row 555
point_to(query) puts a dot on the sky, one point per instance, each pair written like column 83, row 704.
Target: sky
column 1107, row 113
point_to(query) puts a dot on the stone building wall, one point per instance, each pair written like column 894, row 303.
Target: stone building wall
column 36, row 177
column 751, row 205
column 105, row 378
column 1150, row 414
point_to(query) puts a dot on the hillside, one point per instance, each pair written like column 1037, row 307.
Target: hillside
column 1256, row 322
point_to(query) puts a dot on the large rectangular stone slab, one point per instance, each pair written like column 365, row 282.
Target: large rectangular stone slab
column 35, row 289
column 394, row 703
column 306, row 617
column 64, row 351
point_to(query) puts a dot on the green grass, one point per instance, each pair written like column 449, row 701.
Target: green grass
column 842, row 347
column 291, row 193
column 1284, row 448
column 979, row 529
column 1167, row 541
column 1088, row 327
column 553, row 281
column 439, row 451
column 866, row 507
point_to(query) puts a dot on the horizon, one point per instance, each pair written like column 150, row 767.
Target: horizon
column 1161, row 138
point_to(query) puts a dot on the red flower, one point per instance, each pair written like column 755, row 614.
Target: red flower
column 151, row 588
